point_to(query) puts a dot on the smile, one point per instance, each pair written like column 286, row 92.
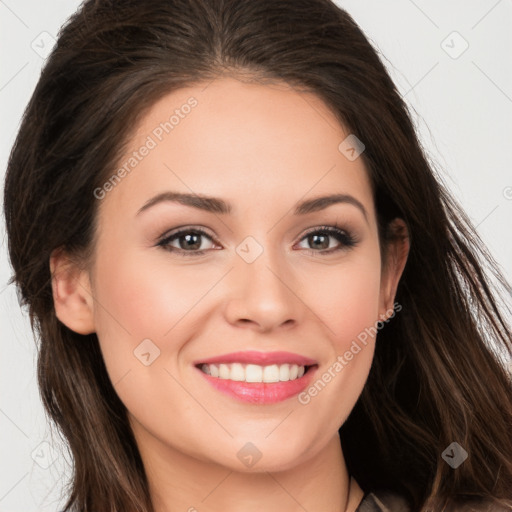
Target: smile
column 254, row 373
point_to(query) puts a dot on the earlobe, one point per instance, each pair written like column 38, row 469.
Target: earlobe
column 396, row 258
column 72, row 294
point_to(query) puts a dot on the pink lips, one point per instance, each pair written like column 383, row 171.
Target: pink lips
column 260, row 358
column 260, row 392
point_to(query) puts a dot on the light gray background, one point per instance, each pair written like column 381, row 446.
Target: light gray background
column 462, row 107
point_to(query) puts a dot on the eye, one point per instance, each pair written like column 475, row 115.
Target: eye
column 319, row 238
column 189, row 241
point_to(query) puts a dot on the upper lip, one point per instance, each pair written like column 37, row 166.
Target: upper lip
column 259, row 358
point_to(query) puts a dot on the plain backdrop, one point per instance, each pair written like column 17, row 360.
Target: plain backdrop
column 451, row 62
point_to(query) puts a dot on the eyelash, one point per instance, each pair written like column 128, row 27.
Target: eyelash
column 346, row 240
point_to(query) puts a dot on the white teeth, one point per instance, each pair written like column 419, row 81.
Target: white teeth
column 237, row 372
column 271, row 373
column 224, row 372
column 254, row 372
column 284, row 372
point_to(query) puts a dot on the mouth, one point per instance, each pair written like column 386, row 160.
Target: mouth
column 256, row 377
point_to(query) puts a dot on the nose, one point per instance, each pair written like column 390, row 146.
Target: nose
column 263, row 295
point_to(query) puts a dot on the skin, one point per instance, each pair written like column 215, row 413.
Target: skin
column 262, row 148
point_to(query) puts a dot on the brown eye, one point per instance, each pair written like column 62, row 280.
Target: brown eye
column 189, row 241
column 319, row 240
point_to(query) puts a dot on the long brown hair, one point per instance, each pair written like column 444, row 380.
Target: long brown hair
column 436, row 378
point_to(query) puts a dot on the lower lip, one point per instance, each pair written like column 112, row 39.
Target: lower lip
column 261, row 392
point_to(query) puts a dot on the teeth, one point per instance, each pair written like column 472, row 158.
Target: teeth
column 237, row 372
column 284, row 373
column 224, row 372
column 254, row 372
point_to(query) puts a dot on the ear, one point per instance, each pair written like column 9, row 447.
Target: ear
column 395, row 260
column 72, row 293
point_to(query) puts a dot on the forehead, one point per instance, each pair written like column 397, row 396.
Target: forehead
column 245, row 142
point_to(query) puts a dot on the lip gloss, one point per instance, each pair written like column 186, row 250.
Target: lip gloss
column 261, row 392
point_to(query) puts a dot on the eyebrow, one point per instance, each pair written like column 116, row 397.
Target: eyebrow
column 217, row 205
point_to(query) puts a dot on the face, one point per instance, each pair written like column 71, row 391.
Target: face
column 262, row 272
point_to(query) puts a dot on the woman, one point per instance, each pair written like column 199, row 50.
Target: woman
column 251, row 291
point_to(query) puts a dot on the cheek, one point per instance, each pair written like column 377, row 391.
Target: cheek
column 145, row 298
column 136, row 302
column 346, row 297
column 347, row 302
column 141, row 297
column 348, row 307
